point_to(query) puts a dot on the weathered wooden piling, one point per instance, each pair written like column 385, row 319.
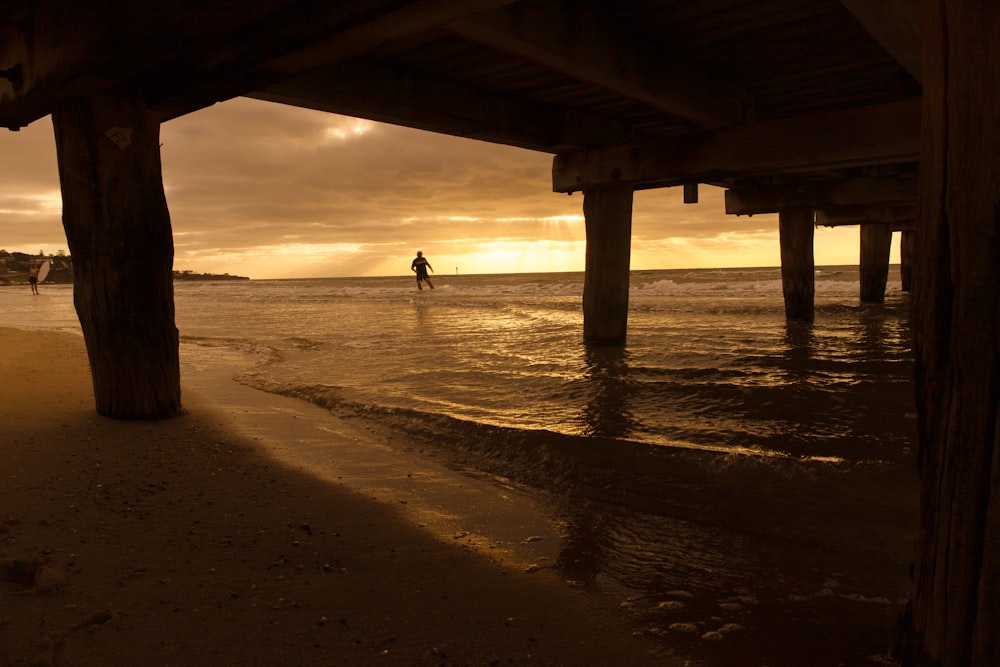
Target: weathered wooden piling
column 955, row 606
column 608, row 214
column 907, row 243
column 876, row 241
column 798, row 266
column 118, row 229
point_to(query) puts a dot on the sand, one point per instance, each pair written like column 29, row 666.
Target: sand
column 196, row 542
column 259, row 529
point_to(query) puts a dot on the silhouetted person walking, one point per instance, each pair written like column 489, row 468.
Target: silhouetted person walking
column 420, row 266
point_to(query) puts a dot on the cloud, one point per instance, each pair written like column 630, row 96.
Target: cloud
column 30, row 202
column 251, row 176
column 266, row 190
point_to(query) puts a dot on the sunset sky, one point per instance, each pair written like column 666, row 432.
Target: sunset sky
column 271, row 191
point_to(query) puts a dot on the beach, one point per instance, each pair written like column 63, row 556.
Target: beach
column 187, row 542
column 368, row 475
column 195, row 541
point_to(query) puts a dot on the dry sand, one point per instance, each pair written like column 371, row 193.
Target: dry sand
column 191, row 542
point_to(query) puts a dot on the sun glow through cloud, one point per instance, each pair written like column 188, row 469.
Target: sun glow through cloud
column 271, row 191
column 351, row 128
column 519, row 256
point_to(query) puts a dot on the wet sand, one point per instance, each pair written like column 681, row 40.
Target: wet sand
column 187, row 543
column 262, row 530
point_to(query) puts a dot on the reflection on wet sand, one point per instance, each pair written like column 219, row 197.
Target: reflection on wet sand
column 729, row 556
column 777, row 524
column 754, row 562
column 718, row 556
column 800, row 341
column 607, row 414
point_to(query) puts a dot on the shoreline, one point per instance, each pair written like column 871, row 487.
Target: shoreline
column 186, row 542
column 727, row 562
column 256, row 510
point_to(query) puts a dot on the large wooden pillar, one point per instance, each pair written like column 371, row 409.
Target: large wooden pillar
column 876, row 242
column 608, row 214
column 118, row 229
column 955, row 610
column 798, row 266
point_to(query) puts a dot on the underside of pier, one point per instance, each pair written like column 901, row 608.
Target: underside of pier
column 831, row 112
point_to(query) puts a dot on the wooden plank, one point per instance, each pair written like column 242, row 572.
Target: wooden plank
column 881, row 134
column 336, row 45
column 884, row 191
column 214, row 50
column 896, row 217
column 81, row 49
column 896, row 25
column 575, row 40
column 365, row 90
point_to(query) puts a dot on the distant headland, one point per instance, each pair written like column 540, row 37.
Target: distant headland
column 14, row 268
column 191, row 275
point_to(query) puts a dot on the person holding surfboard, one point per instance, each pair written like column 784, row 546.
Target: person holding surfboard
column 33, row 278
column 419, row 266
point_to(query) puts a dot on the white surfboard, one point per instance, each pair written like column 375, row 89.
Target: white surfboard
column 43, row 270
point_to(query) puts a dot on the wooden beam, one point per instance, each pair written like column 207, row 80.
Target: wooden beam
column 366, row 90
column 180, row 61
column 896, row 26
column 896, row 217
column 335, row 46
column 753, row 199
column 882, row 134
column 575, row 40
column 69, row 50
column 690, row 193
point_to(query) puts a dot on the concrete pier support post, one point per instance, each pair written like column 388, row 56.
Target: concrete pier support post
column 876, row 241
column 608, row 215
column 907, row 244
column 798, row 266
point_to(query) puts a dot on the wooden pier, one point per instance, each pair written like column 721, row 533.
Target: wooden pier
column 877, row 114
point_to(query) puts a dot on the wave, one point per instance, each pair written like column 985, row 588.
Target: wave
column 833, row 281
column 653, row 478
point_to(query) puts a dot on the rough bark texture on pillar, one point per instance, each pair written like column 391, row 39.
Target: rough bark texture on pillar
column 907, row 244
column 118, row 228
column 876, row 242
column 608, row 214
column 798, row 266
column 955, row 610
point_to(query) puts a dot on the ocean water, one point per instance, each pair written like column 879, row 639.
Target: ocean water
column 721, row 457
column 709, row 364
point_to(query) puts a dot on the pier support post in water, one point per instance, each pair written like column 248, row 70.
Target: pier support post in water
column 118, row 228
column 608, row 214
column 954, row 610
column 907, row 241
column 798, row 267
column 876, row 241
